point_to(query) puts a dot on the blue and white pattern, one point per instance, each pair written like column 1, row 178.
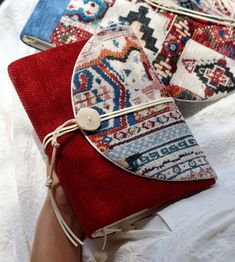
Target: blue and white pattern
column 158, row 139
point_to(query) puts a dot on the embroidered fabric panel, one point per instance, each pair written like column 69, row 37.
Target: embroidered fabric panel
column 165, row 63
column 80, row 20
column 217, row 38
column 213, row 42
column 163, row 35
column 149, row 26
column 112, row 73
column 170, row 34
column 207, row 76
column 114, row 59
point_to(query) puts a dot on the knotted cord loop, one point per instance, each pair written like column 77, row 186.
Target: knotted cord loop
column 71, row 126
column 63, row 129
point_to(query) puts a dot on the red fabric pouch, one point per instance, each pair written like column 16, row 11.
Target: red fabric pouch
column 100, row 192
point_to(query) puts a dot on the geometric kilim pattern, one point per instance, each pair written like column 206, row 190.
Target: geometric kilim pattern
column 164, row 36
column 144, row 21
column 220, row 39
column 216, row 76
column 165, row 63
column 205, row 76
column 148, row 24
column 111, row 73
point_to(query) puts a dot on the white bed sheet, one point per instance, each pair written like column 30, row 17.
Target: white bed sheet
column 200, row 228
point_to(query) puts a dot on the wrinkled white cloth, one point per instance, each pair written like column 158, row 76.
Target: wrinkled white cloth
column 199, row 228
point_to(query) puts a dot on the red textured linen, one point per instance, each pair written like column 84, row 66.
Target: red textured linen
column 100, row 192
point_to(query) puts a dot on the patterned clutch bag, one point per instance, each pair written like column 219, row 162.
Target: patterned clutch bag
column 125, row 150
column 193, row 58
